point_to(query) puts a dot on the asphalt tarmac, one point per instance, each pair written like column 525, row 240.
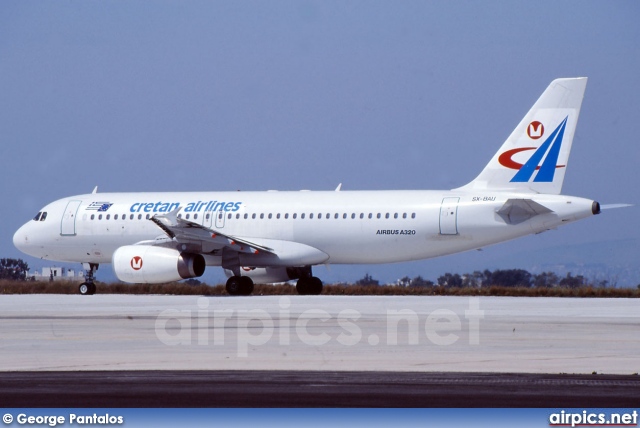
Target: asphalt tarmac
column 124, row 389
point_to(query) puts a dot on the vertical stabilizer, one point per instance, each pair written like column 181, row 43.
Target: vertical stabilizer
column 534, row 158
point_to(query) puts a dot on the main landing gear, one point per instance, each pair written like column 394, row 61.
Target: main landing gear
column 309, row 286
column 243, row 286
column 88, row 287
column 239, row 286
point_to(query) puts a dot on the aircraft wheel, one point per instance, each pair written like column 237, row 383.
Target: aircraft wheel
column 315, row 285
column 302, row 287
column 233, row 285
column 93, row 288
column 246, row 285
column 85, row 288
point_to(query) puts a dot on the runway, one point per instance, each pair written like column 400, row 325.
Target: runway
column 329, row 333
column 395, row 351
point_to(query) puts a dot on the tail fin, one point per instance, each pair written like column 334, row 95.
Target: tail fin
column 534, row 157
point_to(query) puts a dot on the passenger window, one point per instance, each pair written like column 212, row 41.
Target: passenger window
column 99, row 216
column 195, row 216
column 361, row 215
column 253, row 216
column 269, row 216
column 108, row 216
column 311, row 216
column 149, row 216
column 208, row 216
column 261, row 216
column 353, row 215
column 378, row 216
column 386, row 215
column 413, row 215
column 115, row 217
column 395, row 215
column 43, row 217
column 237, row 216
column 286, row 216
column 295, row 215
column 229, row 216
column 93, row 216
column 187, row 216
column 404, row 215
column 131, row 217
column 302, row 216
column 246, row 216
column 140, row 216
column 370, row 215
column 328, row 216
column 278, row 216
column 336, row 215
column 37, row 217
column 344, row 215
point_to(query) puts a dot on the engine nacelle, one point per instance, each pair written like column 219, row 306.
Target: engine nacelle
column 154, row 265
column 267, row 275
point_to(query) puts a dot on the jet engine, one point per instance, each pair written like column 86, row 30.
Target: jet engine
column 154, row 265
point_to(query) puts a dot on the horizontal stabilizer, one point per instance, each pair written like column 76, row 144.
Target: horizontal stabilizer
column 516, row 211
column 614, row 206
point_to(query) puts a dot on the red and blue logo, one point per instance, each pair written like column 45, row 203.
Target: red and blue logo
column 550, row 148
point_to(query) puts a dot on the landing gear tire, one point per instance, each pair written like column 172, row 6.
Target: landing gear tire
column 309, row 286
column 87, row 288
column 246, row 285
column 233, row 286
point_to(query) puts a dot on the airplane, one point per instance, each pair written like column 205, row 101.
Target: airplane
column 278, row 236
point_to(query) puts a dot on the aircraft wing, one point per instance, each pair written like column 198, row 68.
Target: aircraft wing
column 188, row 232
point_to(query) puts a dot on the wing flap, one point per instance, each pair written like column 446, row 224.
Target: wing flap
column 187, row 231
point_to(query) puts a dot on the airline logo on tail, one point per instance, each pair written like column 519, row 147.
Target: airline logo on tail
column 549, row 151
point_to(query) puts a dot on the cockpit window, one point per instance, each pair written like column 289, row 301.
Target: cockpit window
column 37, row 217
column 43, row 216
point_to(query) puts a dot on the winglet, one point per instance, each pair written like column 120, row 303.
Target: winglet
column 95, row 190
column 339, row 187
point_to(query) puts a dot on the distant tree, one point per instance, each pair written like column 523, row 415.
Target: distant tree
column 545, row 279
column 367, row 280
column 14, row 269
column 570, row 281
column 450, row 280
column 511, row 278
column 418, row 281
column 473, row 280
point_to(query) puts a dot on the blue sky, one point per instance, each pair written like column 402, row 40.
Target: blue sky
column 252, row 95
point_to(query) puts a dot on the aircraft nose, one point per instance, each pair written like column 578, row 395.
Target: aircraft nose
column 21, row 239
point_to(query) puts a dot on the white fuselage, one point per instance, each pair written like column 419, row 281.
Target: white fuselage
column 348, row 226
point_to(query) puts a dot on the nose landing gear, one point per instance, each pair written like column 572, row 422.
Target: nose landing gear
column 88, row 287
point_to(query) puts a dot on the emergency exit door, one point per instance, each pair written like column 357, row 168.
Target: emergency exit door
column 449, row 216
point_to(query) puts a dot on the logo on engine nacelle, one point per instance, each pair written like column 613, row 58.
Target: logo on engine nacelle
column 136, row 263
